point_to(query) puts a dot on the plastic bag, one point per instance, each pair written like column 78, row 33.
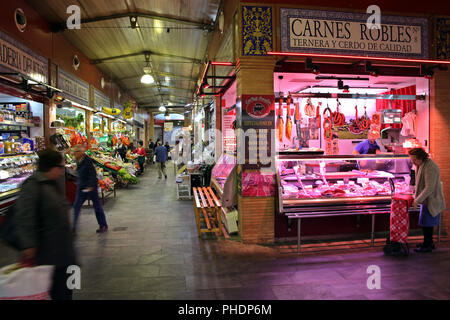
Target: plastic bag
column 25, row 283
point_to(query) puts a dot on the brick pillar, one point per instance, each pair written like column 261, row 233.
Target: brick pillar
column 439, row 128
column 49, row 117
column 152, row 126
column 88, row 124
column 256, row 214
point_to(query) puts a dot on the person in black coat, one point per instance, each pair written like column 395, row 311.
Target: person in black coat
column 87, row 185
column 43, row 223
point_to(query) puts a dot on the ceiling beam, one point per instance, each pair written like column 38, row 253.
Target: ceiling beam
column 158, row 86
column 163, row 74
column 61, row 27
column 143, row 53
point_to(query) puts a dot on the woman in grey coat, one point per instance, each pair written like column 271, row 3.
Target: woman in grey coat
column 429, row 194
column 43, row 223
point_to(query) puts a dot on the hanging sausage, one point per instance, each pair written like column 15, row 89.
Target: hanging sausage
column 288, row 119
column 327, row 124
column 280, row 120
column 354, row 126
column 338, row 118
column 364, row 122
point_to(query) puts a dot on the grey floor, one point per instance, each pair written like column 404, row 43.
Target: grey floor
column 152, row 252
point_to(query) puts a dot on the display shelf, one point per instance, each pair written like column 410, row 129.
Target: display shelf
column 9, row 194
column 18, row 124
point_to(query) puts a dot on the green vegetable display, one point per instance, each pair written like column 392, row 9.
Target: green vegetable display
column 127, row 177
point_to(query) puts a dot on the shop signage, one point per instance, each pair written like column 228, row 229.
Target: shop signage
column 258, row 123
column 16, row 57
column 168, row 126
column 100, row 101
column 73, row 88
column 328, row 32
column 229, row 137
column 128, row 113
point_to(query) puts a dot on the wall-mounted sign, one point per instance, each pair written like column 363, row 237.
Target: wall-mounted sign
column 73, row 88
column 168, row 126
column 128, row 113
column 258, row 120
column 100, row 101
column 16, row 57
column 348, row 33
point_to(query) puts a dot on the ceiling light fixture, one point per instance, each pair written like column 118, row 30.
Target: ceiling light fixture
column 205, row 84
column 372, row 71
column 313, row 67
column 147, row 78
column 133, row 22
column 162, row 109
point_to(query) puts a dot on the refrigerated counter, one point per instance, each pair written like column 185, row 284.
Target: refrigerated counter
column 316, row 186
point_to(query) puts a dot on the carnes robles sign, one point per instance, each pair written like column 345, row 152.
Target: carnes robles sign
column 348, row 33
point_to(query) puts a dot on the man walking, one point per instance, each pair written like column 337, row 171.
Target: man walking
column 161, row 158
column 43, row 224
column 87, row 188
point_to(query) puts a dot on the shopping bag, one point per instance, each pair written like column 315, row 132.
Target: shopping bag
column 25, row 283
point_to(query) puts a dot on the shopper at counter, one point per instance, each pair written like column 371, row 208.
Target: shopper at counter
column 142, row 154
column 121, row 150
column 87, row 188
column 429, row 194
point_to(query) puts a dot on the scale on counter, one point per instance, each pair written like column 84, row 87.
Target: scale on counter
column 391, row 116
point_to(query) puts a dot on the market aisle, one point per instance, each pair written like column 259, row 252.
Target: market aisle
column 152, row 252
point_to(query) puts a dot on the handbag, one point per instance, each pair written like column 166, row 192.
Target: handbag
column 17, row 283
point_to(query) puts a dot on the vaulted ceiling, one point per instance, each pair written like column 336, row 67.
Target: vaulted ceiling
column 173, row 33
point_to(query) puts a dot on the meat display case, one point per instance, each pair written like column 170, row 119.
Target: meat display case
column 314, row 186
column 221, row 172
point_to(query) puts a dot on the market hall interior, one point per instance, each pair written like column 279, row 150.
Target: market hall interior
column 152, row 251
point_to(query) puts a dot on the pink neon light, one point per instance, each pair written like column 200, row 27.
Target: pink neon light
column 320, row 55
column 217, row 63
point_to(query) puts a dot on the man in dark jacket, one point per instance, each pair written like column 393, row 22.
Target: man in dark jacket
column 161, row 158
column 43, row 224
column 87, row 188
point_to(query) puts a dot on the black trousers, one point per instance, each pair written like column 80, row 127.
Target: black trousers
column 59, row 290
column 427, row 236
column 141, row 161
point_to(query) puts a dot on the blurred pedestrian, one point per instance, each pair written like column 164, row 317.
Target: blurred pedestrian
column 429, row 194
column 167, row 147
column 161, row 158
column 87, row 188
column 43, row 223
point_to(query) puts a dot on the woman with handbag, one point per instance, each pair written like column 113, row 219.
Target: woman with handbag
column 429, row 194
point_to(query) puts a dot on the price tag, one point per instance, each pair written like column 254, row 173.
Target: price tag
column 363, row 180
